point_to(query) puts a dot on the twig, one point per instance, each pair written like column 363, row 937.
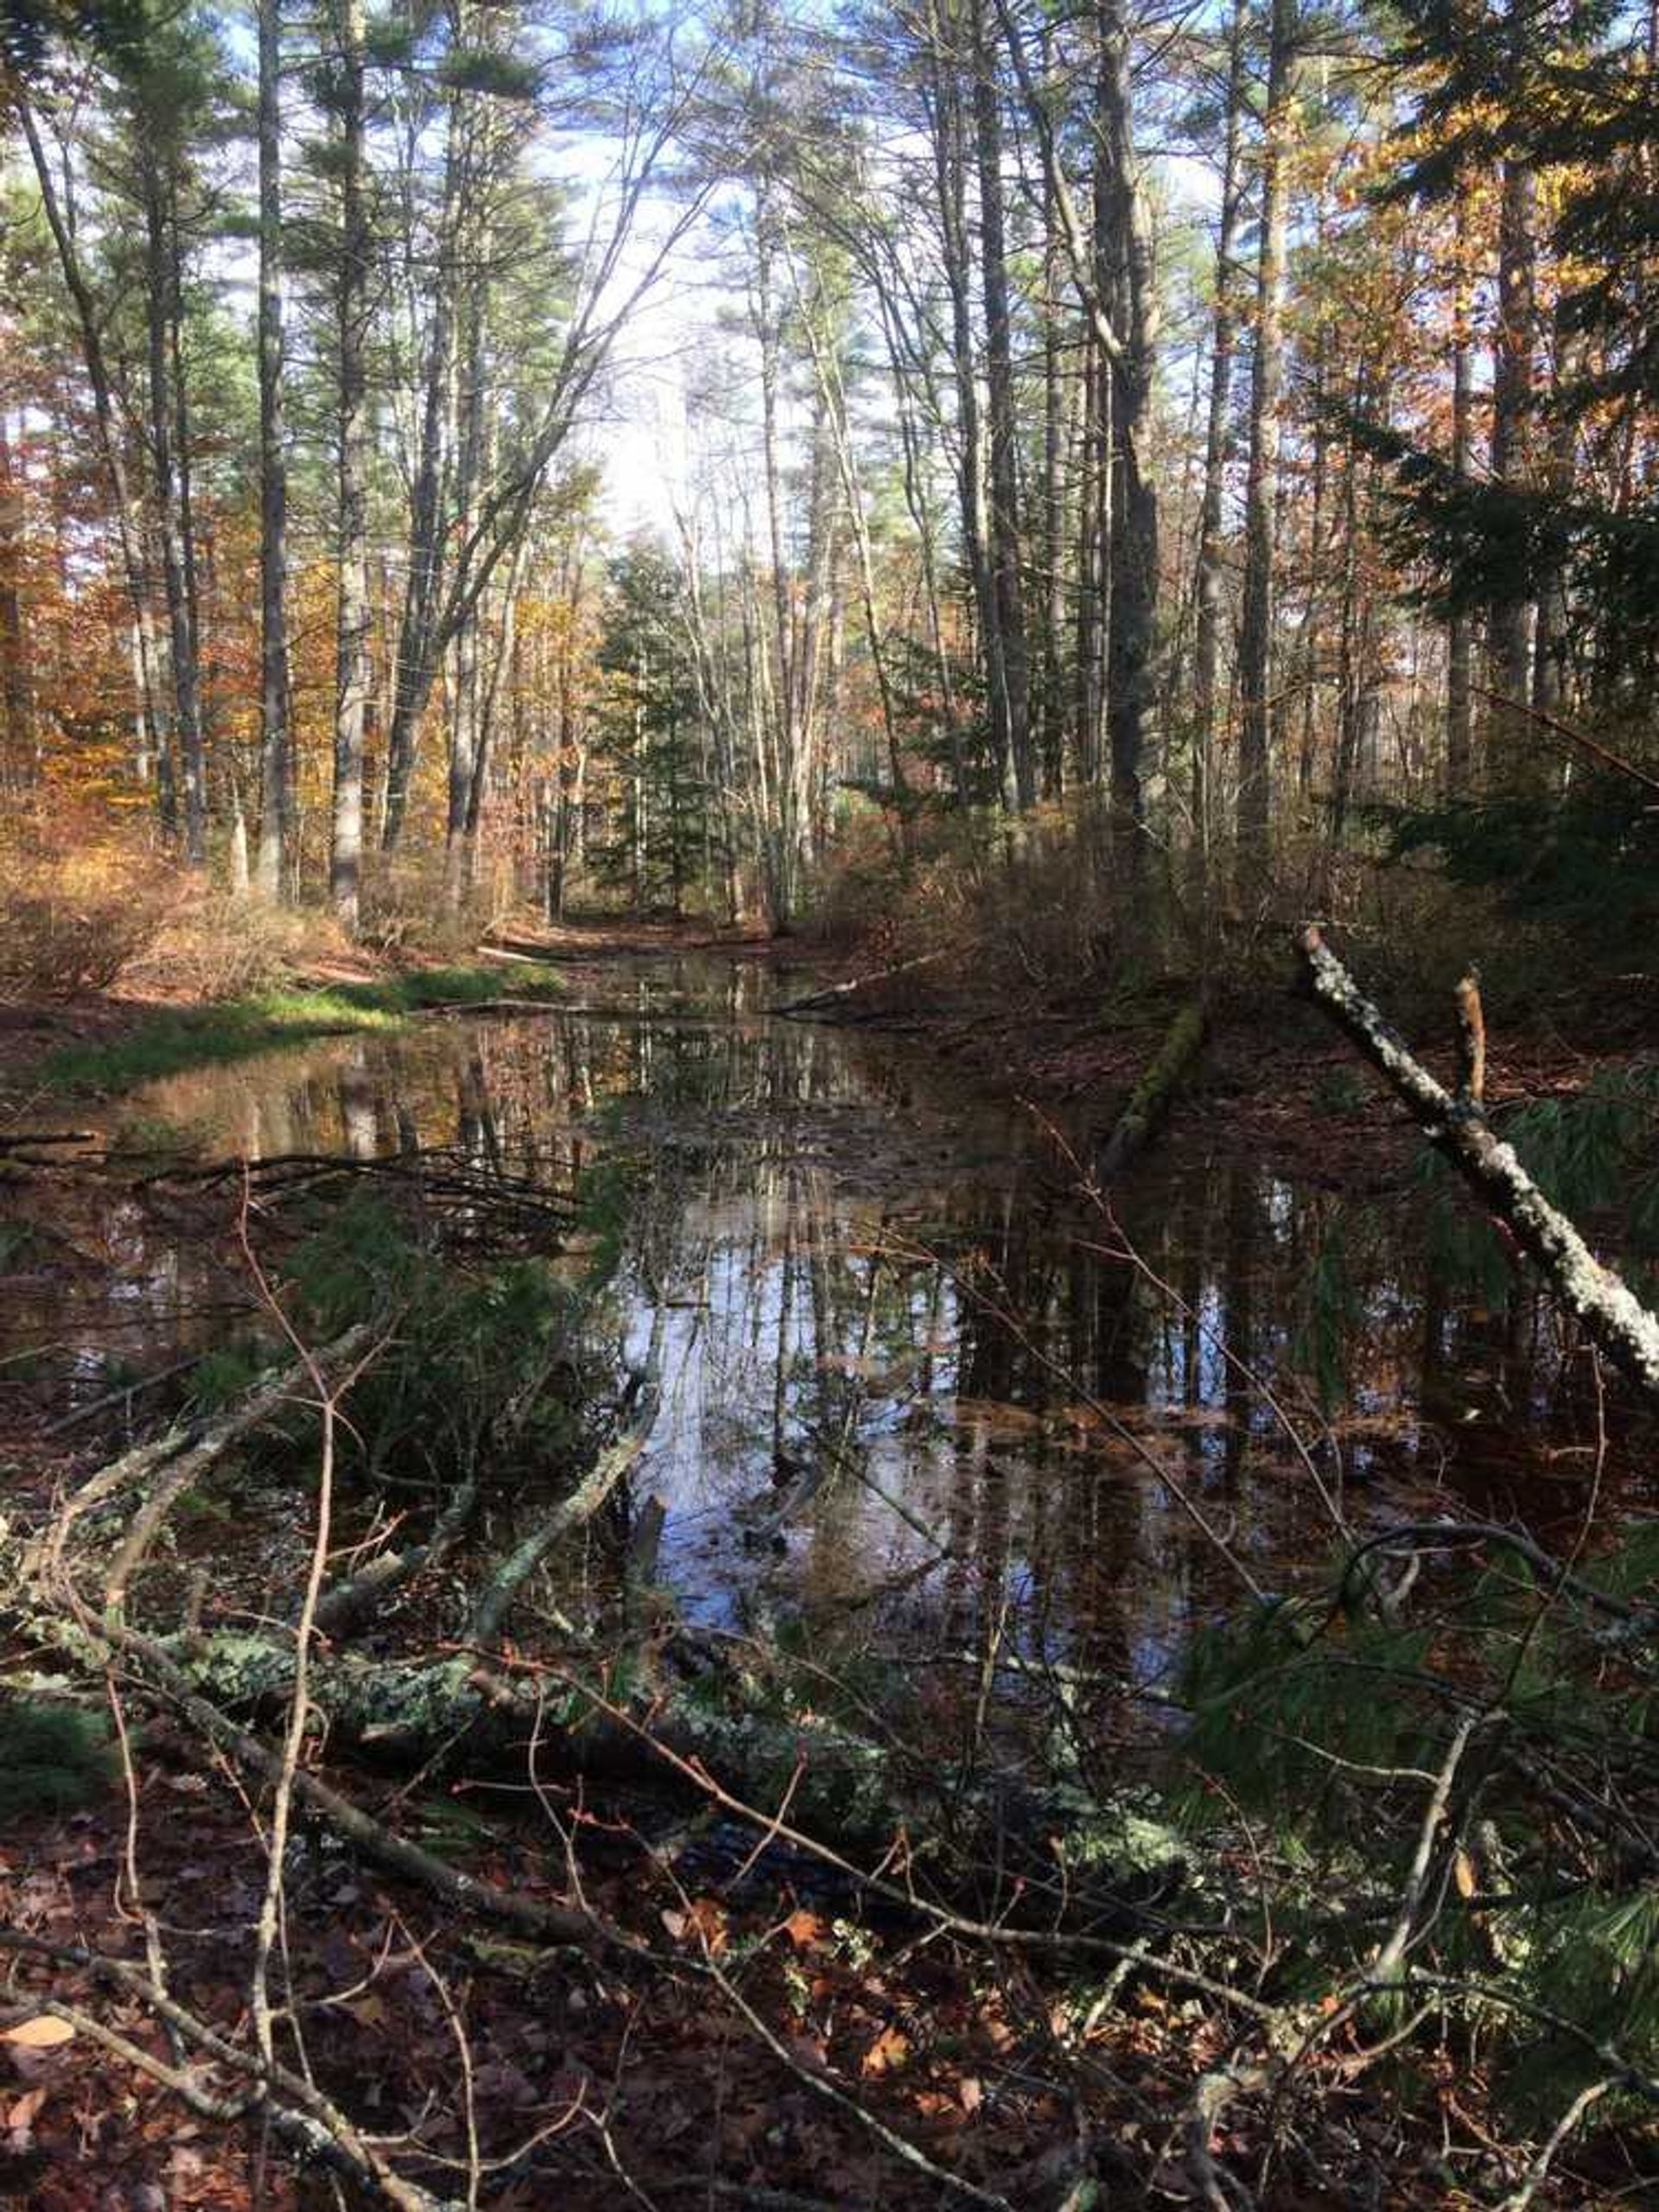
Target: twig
column 1538, row 2172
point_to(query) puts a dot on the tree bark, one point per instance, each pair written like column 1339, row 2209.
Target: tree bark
column 1134, row 300
column 417, row 631
column 1460, row 654
column 1262, row 488
column 275, row 756
column 1510, row 649
column 1011, row 706
column 1217, row 440
column 351, row 617
column 128, row 518
column 161, row 302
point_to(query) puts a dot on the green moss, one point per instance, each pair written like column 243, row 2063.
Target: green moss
column 170, row 1040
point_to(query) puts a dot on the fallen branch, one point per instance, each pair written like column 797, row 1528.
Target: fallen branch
column 595, row 1486
column 293, row 2107
column 545, row 1922
column 1601, row 754
column 823, row 1005
column 181, row 1455
column 1609, row 1312
column 124, row 1395
column 343, row 1603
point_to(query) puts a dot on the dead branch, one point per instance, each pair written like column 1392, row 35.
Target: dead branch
column 300, row 2113
column 181, row 1455
column 595, row 1486
column 827, row 1004
column 1603, row 755
column 1609, row 1312
column 1472, row 1041
column 342, row 1606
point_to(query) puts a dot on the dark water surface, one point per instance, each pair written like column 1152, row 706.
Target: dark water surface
column 915, row 1392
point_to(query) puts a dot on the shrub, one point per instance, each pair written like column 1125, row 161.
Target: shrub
column 82, row 906
column 214, row 944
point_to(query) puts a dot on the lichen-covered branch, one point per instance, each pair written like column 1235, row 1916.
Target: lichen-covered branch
column 1611, row 1314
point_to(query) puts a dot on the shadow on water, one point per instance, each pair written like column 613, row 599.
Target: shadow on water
column 914, row 1394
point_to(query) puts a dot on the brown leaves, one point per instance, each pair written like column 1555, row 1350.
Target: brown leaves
column 804, row 1929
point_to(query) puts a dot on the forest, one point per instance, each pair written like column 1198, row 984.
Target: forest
column 829, row 1104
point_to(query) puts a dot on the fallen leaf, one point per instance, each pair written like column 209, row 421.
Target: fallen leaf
column 890, row 2050
column 41, row 2033
column 21, row 2114
column 804, row 1929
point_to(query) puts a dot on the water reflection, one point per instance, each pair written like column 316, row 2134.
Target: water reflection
column 914, row 1394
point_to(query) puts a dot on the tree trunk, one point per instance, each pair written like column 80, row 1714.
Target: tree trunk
column 18, row 765
column 160, row 297
column 1459, row 641
column 1510, row 641
column 128, row 518
column 417, row 631
column 1013, row 707
column 352, row 623
column 276, row 757
column 1267, row 384
column 951, row 169
column 1608, row 1311
column 1217, row 441
column 1134, row 302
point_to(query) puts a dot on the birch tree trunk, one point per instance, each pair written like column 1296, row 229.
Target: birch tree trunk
column 1510, row 633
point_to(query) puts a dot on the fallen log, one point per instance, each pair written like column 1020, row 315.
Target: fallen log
column 1070, row 1858
column 1605, row 1307
column 1156, row 1092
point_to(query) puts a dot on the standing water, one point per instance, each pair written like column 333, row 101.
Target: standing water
column 917, row 1380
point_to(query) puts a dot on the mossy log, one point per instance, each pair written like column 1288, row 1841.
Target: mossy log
column 1068, row 1856
column 1157, row 1091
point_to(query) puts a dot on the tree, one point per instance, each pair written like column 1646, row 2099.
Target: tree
column 276, row 765
column 1261, row 487
column 347, row 91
